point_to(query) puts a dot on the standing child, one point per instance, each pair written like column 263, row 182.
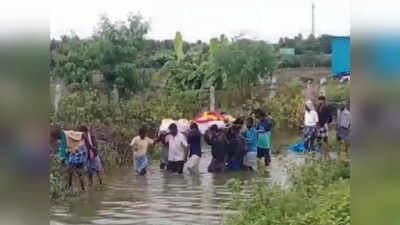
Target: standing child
column 140, row 146
column 250, row 159
column 264, row 134
column 177, row 149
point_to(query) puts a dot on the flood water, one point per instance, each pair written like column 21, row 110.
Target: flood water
column 162, row 198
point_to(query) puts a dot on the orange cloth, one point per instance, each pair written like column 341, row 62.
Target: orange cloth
column 74, row 139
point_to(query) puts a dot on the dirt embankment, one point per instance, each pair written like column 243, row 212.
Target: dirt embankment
column 303, row 73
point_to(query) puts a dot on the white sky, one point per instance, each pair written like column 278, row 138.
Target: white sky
column 204, row 19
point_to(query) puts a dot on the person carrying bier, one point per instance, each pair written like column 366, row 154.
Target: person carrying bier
column 250, row 134
column 194, row 141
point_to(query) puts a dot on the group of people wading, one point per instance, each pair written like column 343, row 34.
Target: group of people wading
column 233, row 148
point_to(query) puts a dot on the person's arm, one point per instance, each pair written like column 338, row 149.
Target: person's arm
column 63, row 147
column 133, row 143
column 316, row 117
column 94, row 145
column 349, row 120
column 184, row 142
column 329, row 116
column 254, row 138
column 260, row 128
column 150, row 141
column 208, row 138
column 244, row 145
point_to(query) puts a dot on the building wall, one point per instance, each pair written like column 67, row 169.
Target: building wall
column 340, row 55
column 286, row 51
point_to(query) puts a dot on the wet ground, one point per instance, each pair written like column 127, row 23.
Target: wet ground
column 162, row 198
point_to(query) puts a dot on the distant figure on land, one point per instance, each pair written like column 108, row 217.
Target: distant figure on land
column 250, row 159
column 177, row 144
column 140, row 146
column 264, row 128
column 217, row 140
column 194, row 141
column 310, row 125
column 93, row 165
column 343, row 126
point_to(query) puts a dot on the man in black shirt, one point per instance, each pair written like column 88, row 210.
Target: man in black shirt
column 324, row 119
column 219, row 146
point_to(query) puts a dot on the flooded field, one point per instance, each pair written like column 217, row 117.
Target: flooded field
column 162, row 198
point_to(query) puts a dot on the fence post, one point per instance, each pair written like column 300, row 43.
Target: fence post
column 323, row 84
column 57, row 99
column 212, row 98
column 272, row 86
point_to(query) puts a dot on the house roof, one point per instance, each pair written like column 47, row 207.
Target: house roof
column 333, row 36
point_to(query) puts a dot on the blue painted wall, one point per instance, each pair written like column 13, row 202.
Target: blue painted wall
column 384, row 56
column 340, row 55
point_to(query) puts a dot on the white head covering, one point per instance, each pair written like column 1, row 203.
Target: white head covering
column 310, row 105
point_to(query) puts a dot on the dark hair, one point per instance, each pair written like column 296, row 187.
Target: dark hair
column 214, row 127
column 56, row 132
column 83, row 128
column 238, row 121
column 142, row 131
column 173, row 128
column 194, row 126
column 323, row 98
column 250, row 120
column 260, row 113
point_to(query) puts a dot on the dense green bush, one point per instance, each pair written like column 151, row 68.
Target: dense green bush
column 319, row 194
column 306, row 60
column 287, row 108
column 338, row 93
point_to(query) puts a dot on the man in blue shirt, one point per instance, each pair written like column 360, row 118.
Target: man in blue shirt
column 250, row 159
column 264, row 128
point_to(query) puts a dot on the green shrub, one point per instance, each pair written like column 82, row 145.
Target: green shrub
column 338, row 93
column 333, row 207
column 319, row 194
column 57, row 181
column 305, row 60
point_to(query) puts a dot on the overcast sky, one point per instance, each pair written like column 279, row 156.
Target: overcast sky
column 204, row 19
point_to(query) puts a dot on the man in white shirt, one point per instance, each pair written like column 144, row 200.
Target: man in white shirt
column 343, row 126
column 177, row 149
column 310, row 125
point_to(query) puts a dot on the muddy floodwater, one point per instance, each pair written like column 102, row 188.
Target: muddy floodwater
column 163, row 198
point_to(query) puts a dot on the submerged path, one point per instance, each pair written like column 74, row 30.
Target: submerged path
column 159, row 197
